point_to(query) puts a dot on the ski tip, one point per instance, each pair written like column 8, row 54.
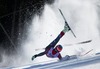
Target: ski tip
column 89, row 41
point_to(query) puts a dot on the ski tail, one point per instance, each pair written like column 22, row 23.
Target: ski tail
column 67, row 23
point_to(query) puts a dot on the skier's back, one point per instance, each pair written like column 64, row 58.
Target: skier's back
column 53, row 50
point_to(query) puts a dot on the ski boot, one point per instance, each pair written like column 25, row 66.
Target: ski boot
column 66, row 29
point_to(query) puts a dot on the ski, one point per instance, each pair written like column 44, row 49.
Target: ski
column 70, row 57
column 67, row 23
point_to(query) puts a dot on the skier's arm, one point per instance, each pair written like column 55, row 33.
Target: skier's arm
column 60, row 57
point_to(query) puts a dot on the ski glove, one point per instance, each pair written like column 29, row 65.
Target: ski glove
column 33, row 57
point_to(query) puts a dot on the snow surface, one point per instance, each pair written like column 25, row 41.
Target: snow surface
column 79, row 63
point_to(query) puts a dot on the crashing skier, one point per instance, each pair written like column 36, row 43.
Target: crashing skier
column 53, row 50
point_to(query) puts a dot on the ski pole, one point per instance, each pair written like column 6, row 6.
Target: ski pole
column 87, row 52
column 83, row 42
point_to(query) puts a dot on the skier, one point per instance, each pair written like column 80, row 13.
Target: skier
column 53, row 50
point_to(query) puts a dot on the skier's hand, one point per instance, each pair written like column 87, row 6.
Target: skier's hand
column 67, row 57
column 33, row 57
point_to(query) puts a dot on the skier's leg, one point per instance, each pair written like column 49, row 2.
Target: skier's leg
column 54, row 42
column 37, row 55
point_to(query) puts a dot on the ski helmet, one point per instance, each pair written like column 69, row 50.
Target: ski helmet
column 58, row 48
